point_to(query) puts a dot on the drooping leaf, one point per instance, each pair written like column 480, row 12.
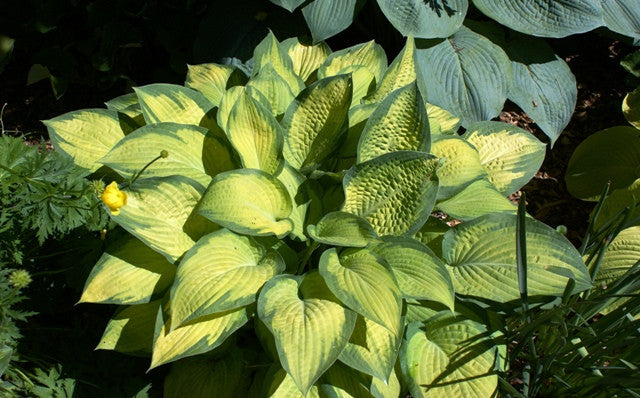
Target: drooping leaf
column 315, row 120
column 395, row 192
column 622, row 16
column 86, row 135
column 309, row 325
column 401, row 72
column 476, row 200
column 343, row 229
column 400, row 122
column 203, row 377
column 327, row 18
column 306, row 58
column 468, row 75
column 369, row 55
column 488, row 269
column 213, row 80
column 128, row 272
column 269, row 52
column 425, row 19
column 462, row 165
column 173, row 103
column 131, row 329
column 510, row 155
column 631, row 107
column 248, row 201
column 274, row 87
column 222, row 272
column 546, row 18
column 360, row 279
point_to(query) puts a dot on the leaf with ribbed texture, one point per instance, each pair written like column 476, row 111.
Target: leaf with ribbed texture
column 172, row 103
column 131, row 329
column 543, row 85
column 510, row 155
column 449, row 357
column 128, row 272
column 610, row 155
column 447, row 120
column 358, row 117
column 483, row 259
column 269, row 52
column 128, row 105
column 461, row 166
column 290, row 5
column 545, row 18
column 203, row 377
column 156, row 212
column 362, row 281
column 395, row 192
column 369, row 55
column 122, row 102
column 468, row 75
column 431, row 234
column 401, row 72
column 256, row 135
column 276, row 89
column 315, row 120
column 281, row 385
column 306, row 58
column 327, row 18
column 364, row 82
column 230, row 98
column 622, row 16
column 193, row 152
column 372, row 349
column 248, row 201
column 386, row 389
column 222, row 272
column 420, row 273
column 301, row 198
column 86, row 135
column 194, row 338
column 341, row 381
column 621, row 254
column 343, row 229
column 425, row 19
column 631, row 107
column 308, row 323
column 400, row 122
column 476, row 200
column 212, row 80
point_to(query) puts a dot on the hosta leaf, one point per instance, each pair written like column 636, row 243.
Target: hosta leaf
column 468, row 75
column 449, row 357
column 194, row 338
column 86, row 135
column 617, row 201
column 425, row 19
column 401, row 72
column 275, row 88
column 256, row 135
column 213, row 80
column 290, row 5
column 543, row 85
column 462, row 165
column 269, row 52
column 510, row 155
column 203, row 377
column 400, row 122
column 547, row 18
column 249, row 202
column 193, row 152
column 156, row 212
column 343, row 229
column 122, row 102
column 621, row 254
column 173, row 103
column 222, row 272
column 631, row 107
column 302, row 198
column 622, row 16
column 610, row 155
column 128, row 272
column 431, row 234
column 364, row 82
column 282, row 386
column 306, row 58
column 478, row 199
column 309, row 326
column 130, row 330
column 127, row 105
column 369, row 55
column 358, row 117
column 446, row 120
column 361, row 281
column 420, row 273
column 341, row 381
column 482, row 256
column 372, row 349
column 395, row 192
column 315, row 120
column 386, row 389
column 327, row 18
column 230, row 98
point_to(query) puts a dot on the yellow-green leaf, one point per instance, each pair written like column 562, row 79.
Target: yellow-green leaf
column 273, row 87
column 369, row 55
column 269, row 52
column 213, row 80
column 343, row 229
column 631, row 107
column 476, row 200
column 306, row 58
column 462, row 165
column 172, row 103
column 131, row 329
column 447, row 120
column 205, row 377
column 301, row 198
column 401, row 72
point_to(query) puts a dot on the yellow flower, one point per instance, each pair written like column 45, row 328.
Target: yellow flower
column 114, row 198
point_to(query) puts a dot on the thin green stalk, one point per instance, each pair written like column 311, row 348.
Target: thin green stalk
column 596, row 213
column 307, row 256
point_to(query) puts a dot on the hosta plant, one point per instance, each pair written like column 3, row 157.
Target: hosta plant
column 279, row 239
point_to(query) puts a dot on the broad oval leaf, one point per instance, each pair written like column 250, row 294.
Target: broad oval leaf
column 621, row 254
column 402, row 71
column 222, row 272
column 425, row 19
column 213, row 80
column 343, row 229
column 421, row 275
column 86, row 135
column 631, row 107
column 546, row 18
column 468, row 75
column 360, row 279
column 400, row 122
column 315, row 120
column 476, row 200
column 510, row 155
column 462, row 165
column 203, row 377
column 306, row 58
column 309, row 325
column 610, row 155
column 131, row 329
column 370, row 55
column 327, row 18
column 128, row 272
column 395, row 192
column 622, row 16
column 172, row 103
column 248, row 201
column 483, row 261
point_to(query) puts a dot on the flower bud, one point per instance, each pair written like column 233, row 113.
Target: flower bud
column 114, row 198
column 19, row 278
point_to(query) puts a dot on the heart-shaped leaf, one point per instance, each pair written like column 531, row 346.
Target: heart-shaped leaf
column 425, row 19
column 213, row 80
column 327, row 18
column 343, row 229
column 173, row 103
